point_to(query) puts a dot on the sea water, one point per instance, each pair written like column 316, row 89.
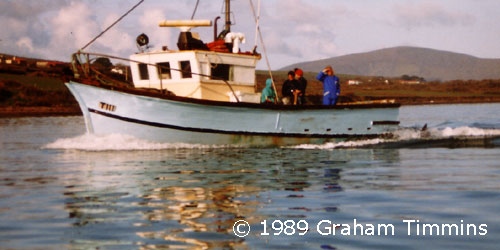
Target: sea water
column 62, row 188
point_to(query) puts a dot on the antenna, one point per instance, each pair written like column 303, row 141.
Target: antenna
column 227, row 26
column 228, row 16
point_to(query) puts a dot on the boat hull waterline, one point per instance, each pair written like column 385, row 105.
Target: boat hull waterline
column 167, row 120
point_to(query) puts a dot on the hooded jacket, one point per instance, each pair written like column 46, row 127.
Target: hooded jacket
column 268, row 92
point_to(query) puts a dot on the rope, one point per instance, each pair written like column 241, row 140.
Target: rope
column 108, row 28
column 264, row 48
column 195, row 8
column 257, row 25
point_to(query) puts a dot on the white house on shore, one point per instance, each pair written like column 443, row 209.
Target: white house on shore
column 354, row 82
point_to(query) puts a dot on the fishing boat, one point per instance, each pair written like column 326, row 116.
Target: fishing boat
column 205, row 93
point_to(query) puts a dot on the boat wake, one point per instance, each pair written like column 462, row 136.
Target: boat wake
column 421, row 138
column 402, row 138
column 119, row 142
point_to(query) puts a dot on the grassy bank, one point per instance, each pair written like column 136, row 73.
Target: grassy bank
column 22, row 95
column 377, row 88
column 37, row 94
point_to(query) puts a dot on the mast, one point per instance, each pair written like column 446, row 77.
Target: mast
column 228, row 16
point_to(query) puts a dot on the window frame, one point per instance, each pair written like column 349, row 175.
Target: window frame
column 222, row 72
column 164, row 73
column 143, row 71
column 186, row 70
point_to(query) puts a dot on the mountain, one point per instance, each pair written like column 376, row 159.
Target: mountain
column 394, row 62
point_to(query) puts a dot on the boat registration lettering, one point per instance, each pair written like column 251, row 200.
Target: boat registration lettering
column 107, row 107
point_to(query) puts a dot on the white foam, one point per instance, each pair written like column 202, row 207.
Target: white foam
column 465, row 131
column 344, row 144
column 443, row 133
column 118, row 142
column 407, row 134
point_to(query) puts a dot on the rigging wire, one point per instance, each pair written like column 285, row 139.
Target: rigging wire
column 195, row 8
column 263, row 46
column 113, row 24
column 257, row 25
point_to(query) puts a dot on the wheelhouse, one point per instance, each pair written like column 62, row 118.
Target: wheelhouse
column 215, row 71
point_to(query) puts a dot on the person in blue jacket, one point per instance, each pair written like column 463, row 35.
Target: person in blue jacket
column 331, row 85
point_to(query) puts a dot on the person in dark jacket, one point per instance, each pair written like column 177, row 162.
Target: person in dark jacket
column 302, row 85
column 289, row 88
column 331, row 85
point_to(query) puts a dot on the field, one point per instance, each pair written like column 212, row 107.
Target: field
column 41, row 94
column 377, row 88
column 41, row 82
column 24, row 95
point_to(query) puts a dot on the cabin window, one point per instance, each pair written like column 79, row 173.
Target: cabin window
column 164, row 70
column 143, row 71
column 222, row 72
column 185, row 69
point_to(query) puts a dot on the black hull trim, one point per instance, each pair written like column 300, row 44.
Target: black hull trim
column 385, row 123
column 216, row 131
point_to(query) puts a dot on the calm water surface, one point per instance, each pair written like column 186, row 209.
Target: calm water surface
column 176, row 196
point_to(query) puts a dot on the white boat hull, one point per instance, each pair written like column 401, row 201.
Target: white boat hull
column 179, row 121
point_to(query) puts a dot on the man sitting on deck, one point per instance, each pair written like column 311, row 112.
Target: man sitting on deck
column 289, row 89
column 268, row 94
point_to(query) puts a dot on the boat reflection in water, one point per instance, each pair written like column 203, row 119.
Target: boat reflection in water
column 148, row 202
column 206, row 212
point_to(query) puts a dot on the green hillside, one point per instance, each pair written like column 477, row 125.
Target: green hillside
column 394, row 62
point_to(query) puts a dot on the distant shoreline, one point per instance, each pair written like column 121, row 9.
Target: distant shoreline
column 15, row 112
column 40, row 92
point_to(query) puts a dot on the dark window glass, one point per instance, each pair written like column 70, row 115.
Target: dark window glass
column 186, row 69
column 143, row 71
column 164, row 70
column 221, row 72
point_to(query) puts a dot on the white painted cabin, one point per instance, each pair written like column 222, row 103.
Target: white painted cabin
column 201, row 74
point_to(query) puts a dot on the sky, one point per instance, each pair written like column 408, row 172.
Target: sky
column 293, row 30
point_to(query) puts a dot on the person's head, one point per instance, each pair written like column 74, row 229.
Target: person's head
column 291, row 75
column 329, row 70
column 298, row 72
column 269, row 82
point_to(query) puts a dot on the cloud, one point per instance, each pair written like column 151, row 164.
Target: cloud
column 70, row 32
column 149, row 25
column 55, row 29
column 429, row 14
column 116, row 40
column 27, row 9
column 322, row 49
column 76, row 29
column 71, row 28
column 25, row 43
column 299, row 12
column 309, row 28
column 26, row 25
column 275, row 43
column 303, row 30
